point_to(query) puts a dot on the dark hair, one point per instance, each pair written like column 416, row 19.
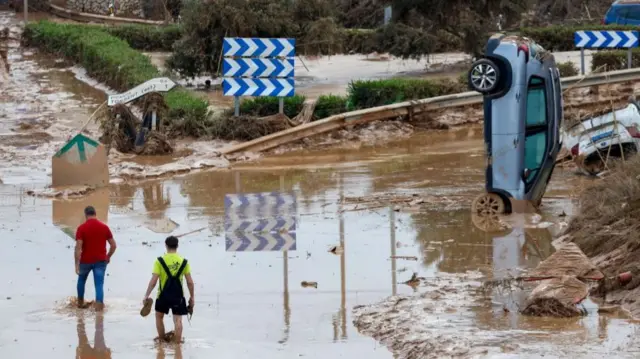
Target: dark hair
column 171, row 242
column 89, row 211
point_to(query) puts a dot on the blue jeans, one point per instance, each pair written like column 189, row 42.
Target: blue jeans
column 99, row 269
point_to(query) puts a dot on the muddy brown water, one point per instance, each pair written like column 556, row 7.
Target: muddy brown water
column 251, row 304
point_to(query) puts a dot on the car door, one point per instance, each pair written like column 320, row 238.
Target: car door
column 538, row 119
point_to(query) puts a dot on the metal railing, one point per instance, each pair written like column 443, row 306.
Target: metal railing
column 408, row 108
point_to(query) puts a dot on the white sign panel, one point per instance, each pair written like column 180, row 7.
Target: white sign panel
column 160, row 84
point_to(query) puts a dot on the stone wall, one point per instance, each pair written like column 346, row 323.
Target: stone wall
column 125, row 8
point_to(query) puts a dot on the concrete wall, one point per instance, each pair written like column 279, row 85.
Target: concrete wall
column 127, row 8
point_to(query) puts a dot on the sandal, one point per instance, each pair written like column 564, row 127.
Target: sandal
column 146, row 308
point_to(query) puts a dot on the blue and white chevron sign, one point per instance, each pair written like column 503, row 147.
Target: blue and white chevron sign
column 257, row 87
column 257, row 47
column 255, row 207
column 263, row 225
column 255, row 242
column 605, row 39
column 261, row 198
column 257, row 67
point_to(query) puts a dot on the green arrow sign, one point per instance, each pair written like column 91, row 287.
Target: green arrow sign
column 78, row 149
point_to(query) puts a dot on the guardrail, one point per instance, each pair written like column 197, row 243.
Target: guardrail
column 408, row 108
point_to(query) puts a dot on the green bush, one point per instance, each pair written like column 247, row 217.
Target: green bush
column 109, row 60
column 267, row 106
column 146, row 37
column 372, row 93
column 567, row 69
column 560, row 37
column 614, row 60
column 329, row 105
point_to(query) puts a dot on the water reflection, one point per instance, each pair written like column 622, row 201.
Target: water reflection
column 99, row 349
column 163, row 353
column 155, row 199
column 68, row 215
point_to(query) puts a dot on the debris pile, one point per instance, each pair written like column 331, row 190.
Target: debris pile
column 564, row 276
column 557, row 297
column 122, row 130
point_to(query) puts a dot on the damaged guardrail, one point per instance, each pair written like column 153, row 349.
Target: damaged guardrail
column 408, row 108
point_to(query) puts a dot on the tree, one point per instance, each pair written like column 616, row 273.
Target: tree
column 469, row 20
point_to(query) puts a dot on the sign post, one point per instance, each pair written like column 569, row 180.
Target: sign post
column 258, row 67
column 610, row 39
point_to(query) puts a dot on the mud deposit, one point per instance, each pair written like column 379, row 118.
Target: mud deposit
column 44, row 101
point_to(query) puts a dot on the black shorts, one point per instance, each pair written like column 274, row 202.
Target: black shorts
column 180, row 309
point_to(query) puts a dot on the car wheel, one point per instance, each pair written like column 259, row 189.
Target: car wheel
column 488, row 223
column 488, row 204
column 484, row 76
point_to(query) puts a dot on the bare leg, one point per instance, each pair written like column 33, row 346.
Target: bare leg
column 177, row 323
column 160, row 325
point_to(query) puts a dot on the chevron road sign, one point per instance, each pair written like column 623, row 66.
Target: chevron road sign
column 255, row 242
column 238, row 224
column 234, row 86
column 257, row 47
column 262, row 198
column 257, row 67
column 260, row 221
column 253, row 207
column 606, row 39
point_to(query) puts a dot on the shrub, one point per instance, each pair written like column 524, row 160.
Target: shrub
column 329, row 105
column 567, row 69
column 372, row 93
column 614, row 60
column 267, row 106
column 109, row 60
column 147, row 38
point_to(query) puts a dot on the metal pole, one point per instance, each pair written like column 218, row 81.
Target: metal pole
column 629, row 58
column 285, row 266
column 392, row 235
column 154, row 120
column 582, row 60
column 281, row 105
column 26, row 11
column 236, row 103
column 343, row 280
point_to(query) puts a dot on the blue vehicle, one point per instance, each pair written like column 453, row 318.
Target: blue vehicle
column 523, row 115
column 623, row 12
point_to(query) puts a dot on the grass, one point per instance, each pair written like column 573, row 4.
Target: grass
column 109, row 60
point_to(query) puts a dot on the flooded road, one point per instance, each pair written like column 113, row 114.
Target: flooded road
column 250, row 303
column 42, row 102
column 355, row 236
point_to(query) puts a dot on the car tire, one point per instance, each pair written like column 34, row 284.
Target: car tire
column 488, row 204
column 484, row 76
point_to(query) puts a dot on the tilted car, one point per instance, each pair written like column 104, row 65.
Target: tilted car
column 523, row 113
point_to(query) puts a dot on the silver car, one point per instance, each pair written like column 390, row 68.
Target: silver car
column 523, row 115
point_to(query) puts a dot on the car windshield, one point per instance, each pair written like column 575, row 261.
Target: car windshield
column 630, row 12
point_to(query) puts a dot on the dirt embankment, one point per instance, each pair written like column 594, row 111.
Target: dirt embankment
column 607, row 229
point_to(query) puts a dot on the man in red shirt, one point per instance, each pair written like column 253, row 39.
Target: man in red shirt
column 91, row 255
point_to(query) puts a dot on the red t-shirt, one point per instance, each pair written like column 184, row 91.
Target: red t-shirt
column 94, row 236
